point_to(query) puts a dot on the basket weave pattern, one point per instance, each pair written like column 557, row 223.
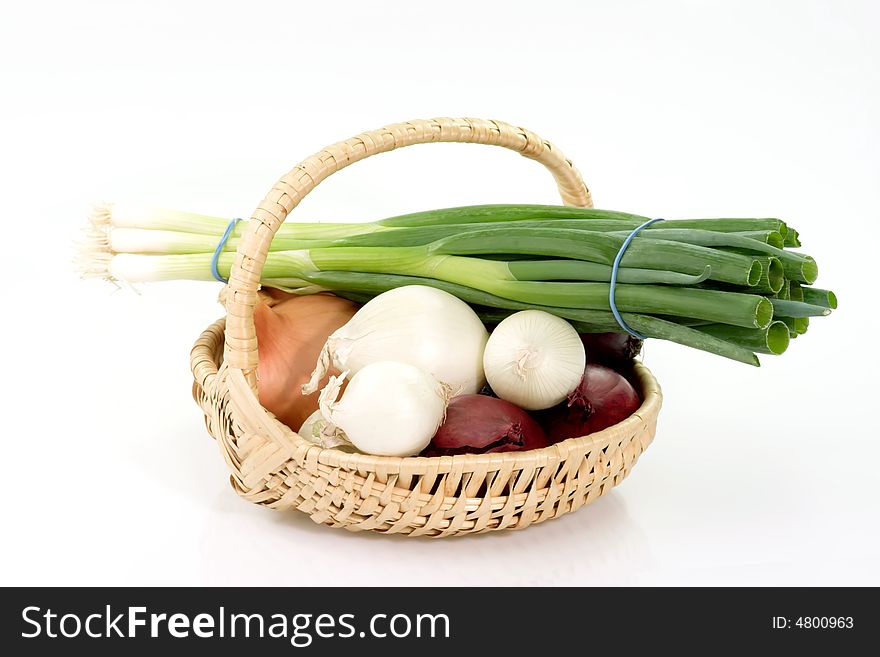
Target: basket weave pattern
column 442, row 496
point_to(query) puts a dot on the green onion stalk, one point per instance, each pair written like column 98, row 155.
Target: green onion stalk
column 720, row 285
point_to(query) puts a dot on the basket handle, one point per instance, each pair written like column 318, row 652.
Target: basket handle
column 240, row 350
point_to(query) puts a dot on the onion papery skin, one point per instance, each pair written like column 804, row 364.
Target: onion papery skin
column 479, row 424
column 603, row 398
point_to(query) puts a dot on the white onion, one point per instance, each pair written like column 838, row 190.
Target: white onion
column 416, row 324
column 388, row 408
column 317, row 429
column 311, row 428
column 534, row 359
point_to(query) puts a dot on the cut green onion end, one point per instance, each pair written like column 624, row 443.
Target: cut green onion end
column 775, row 275
column 755, row 273
column 763, row 314
column 819, row 297
column 778, row 338
column 776, row 239
column 810, row 270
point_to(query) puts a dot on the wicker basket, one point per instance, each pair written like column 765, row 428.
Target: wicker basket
column 416, row 496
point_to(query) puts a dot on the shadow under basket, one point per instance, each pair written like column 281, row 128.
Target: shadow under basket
column 273, row 466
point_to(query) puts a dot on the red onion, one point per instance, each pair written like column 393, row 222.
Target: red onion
column 602, row 399
column 478, row 424
column 612, row 349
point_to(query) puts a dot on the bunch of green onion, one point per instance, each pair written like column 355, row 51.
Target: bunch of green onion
column 731, row 287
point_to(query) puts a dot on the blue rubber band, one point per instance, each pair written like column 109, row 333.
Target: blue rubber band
column 614, row 268
column 219, row 250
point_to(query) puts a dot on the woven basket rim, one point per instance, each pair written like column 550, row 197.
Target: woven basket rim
column 209, row 348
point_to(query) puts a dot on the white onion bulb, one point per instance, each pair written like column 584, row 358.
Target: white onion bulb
column 312, row 427
column 316, row 429
column 534, row 359
column 388, row 408
column 416, row 324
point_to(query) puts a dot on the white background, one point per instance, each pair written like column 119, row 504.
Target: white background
column 674, row 109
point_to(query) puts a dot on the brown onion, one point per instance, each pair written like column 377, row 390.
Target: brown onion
column 290, row 331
